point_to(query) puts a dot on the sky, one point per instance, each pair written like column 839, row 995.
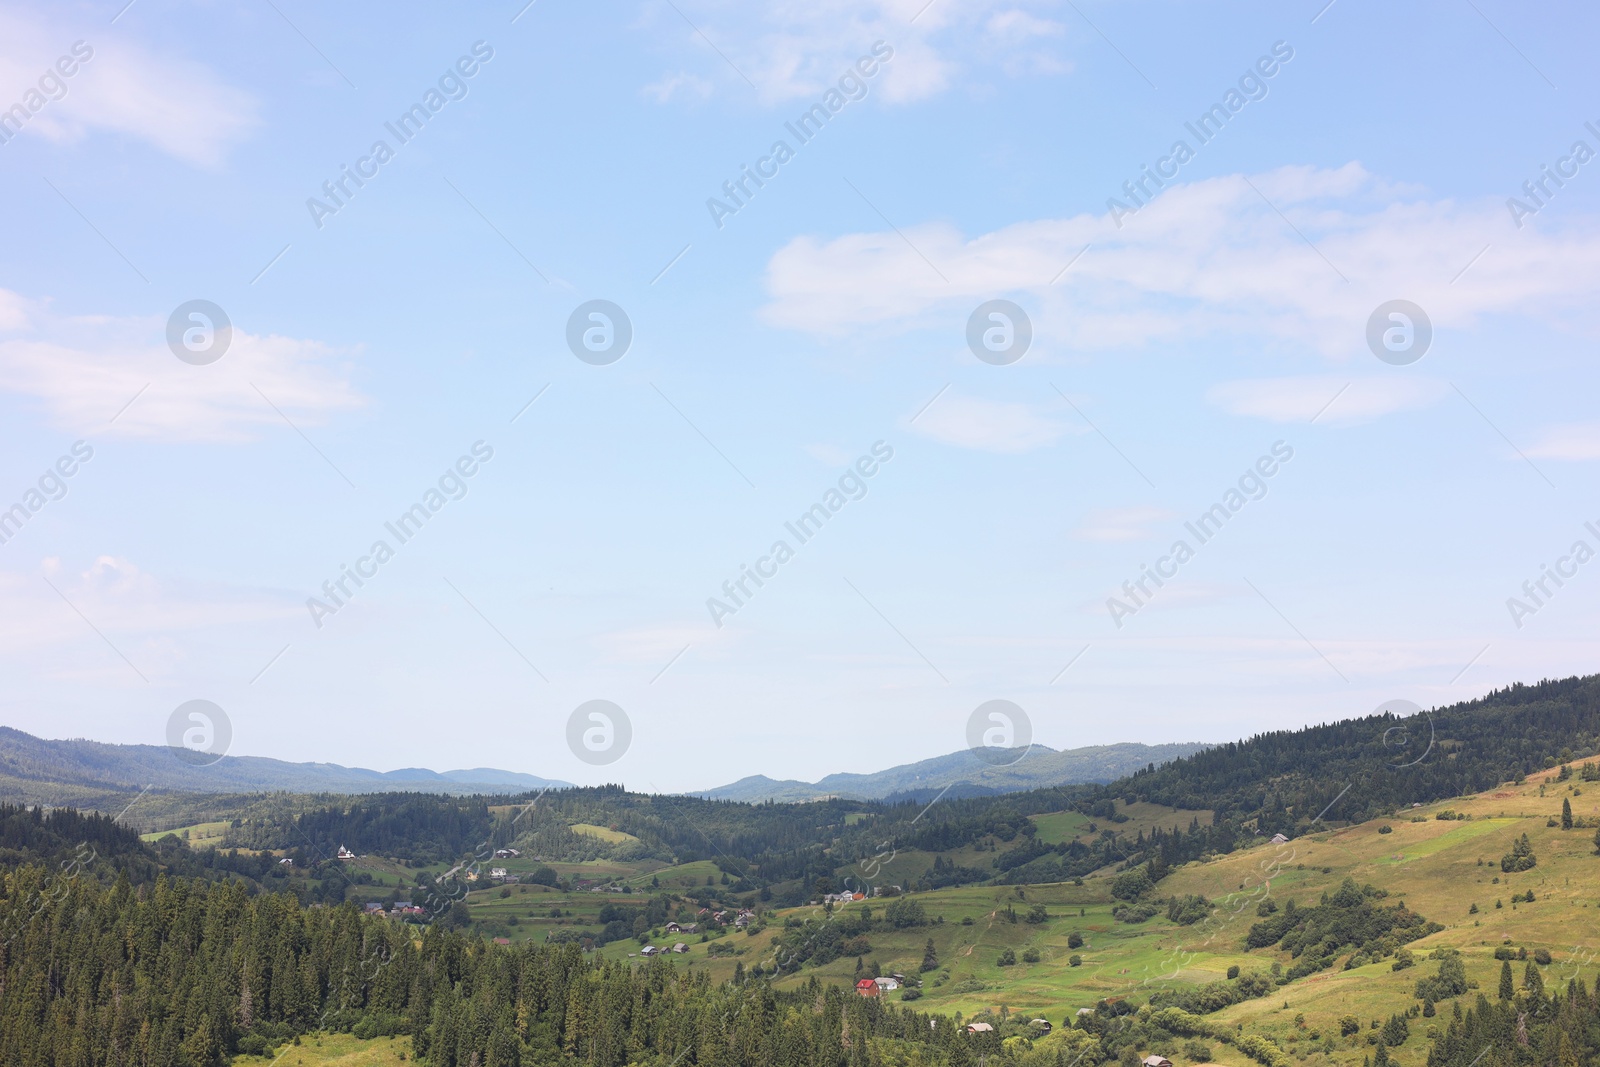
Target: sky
column 275, row 275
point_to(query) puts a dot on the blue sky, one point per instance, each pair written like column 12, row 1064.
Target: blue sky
column 1173, row 347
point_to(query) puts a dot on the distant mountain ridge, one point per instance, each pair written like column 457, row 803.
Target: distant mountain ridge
column 964, row 774
column 30, row 765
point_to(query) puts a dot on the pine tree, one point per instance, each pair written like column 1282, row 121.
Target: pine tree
column 1508, row 987
column 1532, row 980
column 1566, row 814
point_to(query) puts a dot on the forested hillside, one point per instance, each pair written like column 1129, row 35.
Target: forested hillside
column 1286, row 778
column 185, row 974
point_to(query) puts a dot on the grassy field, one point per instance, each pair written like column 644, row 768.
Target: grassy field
column 1442, row 869
column 1438, row 868
column 197, row 835
column 336, row 1050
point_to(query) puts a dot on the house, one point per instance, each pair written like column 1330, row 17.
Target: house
column 372, row 909
column 502, row 941
column 979, row 1028
column 887, row 984
column 286, row 862
column 680, row 947
column 649, row 950
column 898, row 977
column 497, row 872
column 673, row 928
column 1277, row 839
column 506, row 853
column 867, row 987
column 681, row 928
column 1157, row 1061
column 1041, row 1025
column 346, row 854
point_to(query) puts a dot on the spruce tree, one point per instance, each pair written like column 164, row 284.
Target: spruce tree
column 1508, row 987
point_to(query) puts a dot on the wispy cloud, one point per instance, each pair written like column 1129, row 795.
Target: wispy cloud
column 1121, row 524
column 85, row 369
column 1300, row 399
column 177, row 104
column 793, row 51
column 1574, row 441
column 1203, row 259
column 990, row 425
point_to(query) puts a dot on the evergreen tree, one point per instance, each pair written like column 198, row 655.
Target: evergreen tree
column 1508, row 987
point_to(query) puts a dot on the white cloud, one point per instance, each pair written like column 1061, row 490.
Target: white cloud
column 988, row 425
column 793, row 50
column 831, row 455
column 679, row 84
column 1205, row 258
column 141, row 616
column 1120, row 524
column 1328, row 400
column 1576, row 441
column 85, row 369
column 176, row 104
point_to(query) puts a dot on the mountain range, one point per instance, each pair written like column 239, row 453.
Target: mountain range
column 964, row 774
column 36, row 770
column 94, row 774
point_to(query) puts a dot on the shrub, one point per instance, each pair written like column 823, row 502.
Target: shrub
column 1131, row 885
column 1520, row 858
column 1074, row 940
column 1075, row 961
column 1188, row 910
column 1233, row 972
column 1007, row 958
column 1030, row 956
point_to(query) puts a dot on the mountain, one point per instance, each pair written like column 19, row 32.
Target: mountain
column 964, row 774
column 35, row 770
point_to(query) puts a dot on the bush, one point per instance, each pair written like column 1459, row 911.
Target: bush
column 1262, row 1050
column 1233, row 972
column 903, row 912
column 1188, row 910
column 1131, row 885
column 1030, row 956
column 1075, row 961
column 1074, row 940
column 1007, row 958
column 911, row 994
column 1133, row 913
column 1451, row 981
column 1520, row 858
